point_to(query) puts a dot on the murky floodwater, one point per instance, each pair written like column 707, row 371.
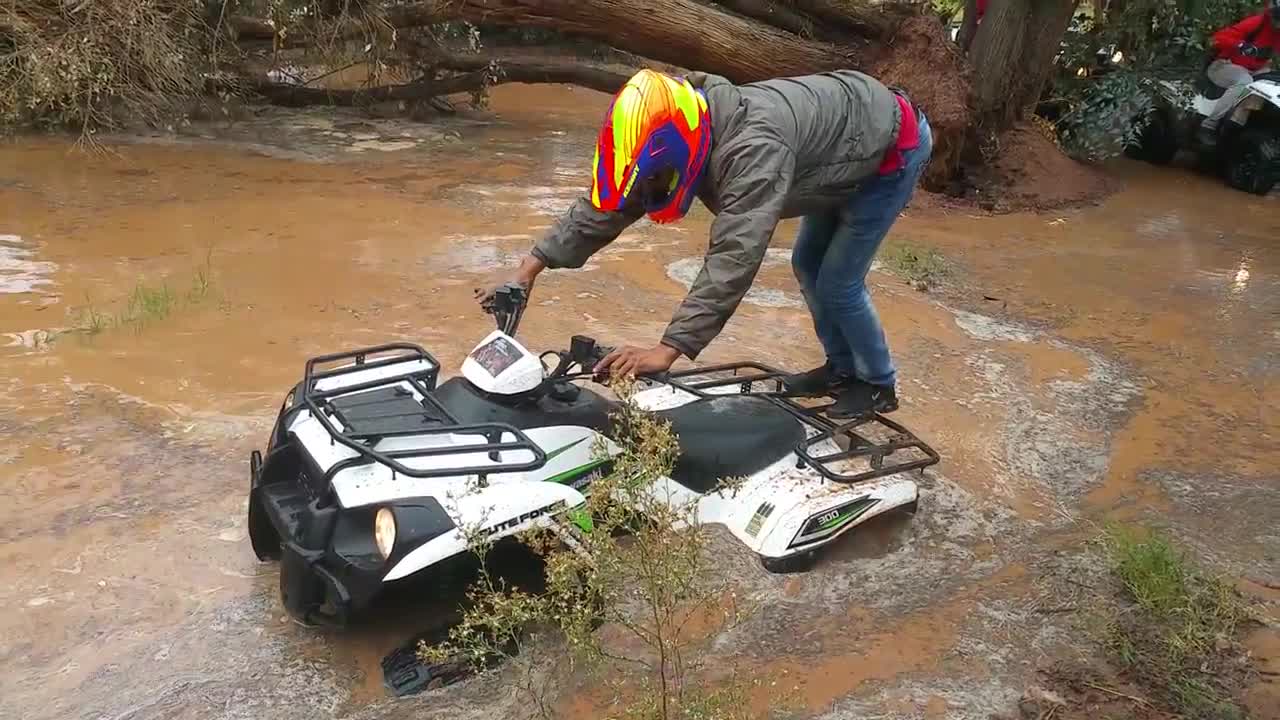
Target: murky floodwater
column 155, row 304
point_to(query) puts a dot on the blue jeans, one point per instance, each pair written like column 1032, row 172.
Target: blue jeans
column 831, row 258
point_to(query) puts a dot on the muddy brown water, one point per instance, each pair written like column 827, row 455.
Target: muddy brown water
column 1114, row 361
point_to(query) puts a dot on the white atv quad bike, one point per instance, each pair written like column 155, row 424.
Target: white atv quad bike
column 373, row 471
column 1245, row 150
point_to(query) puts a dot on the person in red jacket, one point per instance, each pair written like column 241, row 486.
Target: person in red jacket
column 1240, row 52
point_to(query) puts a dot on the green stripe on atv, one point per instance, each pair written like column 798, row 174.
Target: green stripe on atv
column 561, row 450
column 842, row 519
column 575, row 472
column 836, row 522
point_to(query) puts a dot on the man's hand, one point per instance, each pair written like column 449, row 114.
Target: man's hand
column 627, row 361
column 524, row 276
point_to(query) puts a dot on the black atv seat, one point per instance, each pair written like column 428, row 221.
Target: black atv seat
column 721, row 437
column 729, row 436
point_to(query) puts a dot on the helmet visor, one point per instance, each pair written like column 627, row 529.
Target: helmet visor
column 656, row 190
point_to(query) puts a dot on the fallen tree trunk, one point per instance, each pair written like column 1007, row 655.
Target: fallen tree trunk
column 681, row 32
column 301, row 95
column 537, row 71
column 477, row 72
column 834, row 20
column 855, row 18
column 249, row 28
column 775, row 14
column 893, row 42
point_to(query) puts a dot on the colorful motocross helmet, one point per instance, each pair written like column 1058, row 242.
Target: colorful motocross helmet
column 653, row 147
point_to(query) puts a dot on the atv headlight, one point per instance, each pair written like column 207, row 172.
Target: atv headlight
column 384, row 532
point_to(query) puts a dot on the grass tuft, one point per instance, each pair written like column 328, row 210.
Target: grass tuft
column 203, row 280
column 1174, row 634
column 146, row 304
column 91, row 322
column 914, row 264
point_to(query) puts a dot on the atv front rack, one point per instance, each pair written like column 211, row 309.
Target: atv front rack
column 873, row 440
column 380, row 407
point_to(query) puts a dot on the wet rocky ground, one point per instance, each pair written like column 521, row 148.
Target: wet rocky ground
column 1117, row 362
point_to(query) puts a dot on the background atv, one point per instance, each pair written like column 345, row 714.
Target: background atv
column 1246, row 149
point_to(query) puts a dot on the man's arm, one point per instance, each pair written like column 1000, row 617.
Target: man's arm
column 1226, row 40
column 582, row 232
column 752, row 199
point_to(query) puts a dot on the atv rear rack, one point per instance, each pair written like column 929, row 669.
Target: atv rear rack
column 382, row 407
column 874, row 439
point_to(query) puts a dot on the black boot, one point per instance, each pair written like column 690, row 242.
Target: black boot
column 814, row 383
column 862, row 400
column 1207, row 133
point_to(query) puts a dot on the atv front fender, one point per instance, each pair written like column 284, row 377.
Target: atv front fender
column 262, row 534
column 309, row 592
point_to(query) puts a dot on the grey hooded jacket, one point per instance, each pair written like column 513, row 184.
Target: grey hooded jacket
column 780, row 148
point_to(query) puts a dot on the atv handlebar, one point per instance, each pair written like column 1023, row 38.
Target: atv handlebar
column 585, row 351
column 507, row 305
column 583, row 354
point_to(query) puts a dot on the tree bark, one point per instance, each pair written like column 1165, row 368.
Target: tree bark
column 773, row 13
column 300, row 95
column 681, row 32
column 537, row 71
column 1012, row 57
column 968, row 25
column 857, row 18
column 250, row 28
column 477, row 72
column 895, row 42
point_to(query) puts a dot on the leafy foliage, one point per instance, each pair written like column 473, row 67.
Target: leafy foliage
column 1163, row 37
column 1101, row 97
column 634, row 562
column 86, row 64
column 1101, row 122
column 948, row 10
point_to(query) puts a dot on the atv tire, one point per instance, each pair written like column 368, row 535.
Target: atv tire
column 1157, row 141
column 1253, row 161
